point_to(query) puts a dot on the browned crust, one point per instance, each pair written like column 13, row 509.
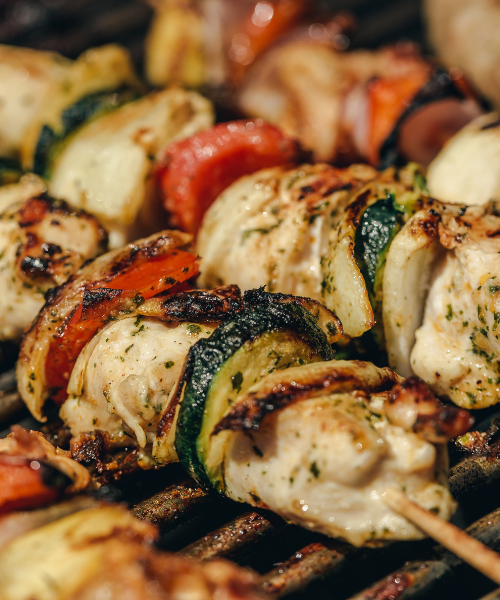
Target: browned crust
column 38, row 261
column 199, row 306
column 434, row 420
column 327, row 320
column 248, row 414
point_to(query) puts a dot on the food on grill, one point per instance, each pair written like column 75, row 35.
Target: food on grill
column 107, row 289
column 196, row 170
column 464, row 34
column 41, row 91
column 106, row 166
column 42, row 242
column 453, row 251
column 291, row 231
column 194, row 43
column 466, row 171
column 122, row 380
column 344, row 105
column 321, row 443
column 104, row 551
column 33, row 473
column 272, row 333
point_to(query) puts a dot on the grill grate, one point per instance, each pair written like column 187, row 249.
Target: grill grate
column 293, row 562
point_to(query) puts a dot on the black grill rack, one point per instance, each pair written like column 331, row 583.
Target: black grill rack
column 293, row 563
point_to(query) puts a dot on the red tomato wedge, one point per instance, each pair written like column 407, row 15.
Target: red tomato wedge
column 22, row 485
column 105, row 301
column 196, row 170
column 388, row 99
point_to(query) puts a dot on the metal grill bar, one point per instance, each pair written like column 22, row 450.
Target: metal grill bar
column 229, row 540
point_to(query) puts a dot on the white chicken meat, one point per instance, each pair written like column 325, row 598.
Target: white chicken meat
column 42, row 242
column 325, row 458
column 122, row 379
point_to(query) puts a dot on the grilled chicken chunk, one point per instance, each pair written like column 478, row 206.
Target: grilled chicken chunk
column 42, row 242
column 320, row 445
column 37, row 87
column 122, row 379
column 451, row 251
column 290, row 230
column 106, row 166
column 109, row 288
column 104, row 551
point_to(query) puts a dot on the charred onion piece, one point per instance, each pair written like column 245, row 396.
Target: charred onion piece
column 196, row 170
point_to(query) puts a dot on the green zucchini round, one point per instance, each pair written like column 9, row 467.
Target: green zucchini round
column 220, row 368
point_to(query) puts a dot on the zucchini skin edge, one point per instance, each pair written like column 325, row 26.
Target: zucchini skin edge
column 208, row 355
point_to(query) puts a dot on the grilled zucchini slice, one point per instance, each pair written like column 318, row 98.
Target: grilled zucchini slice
column 240, row 352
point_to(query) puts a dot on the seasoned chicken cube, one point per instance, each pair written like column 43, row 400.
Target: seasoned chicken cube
column 42, row 242
column 320, row 445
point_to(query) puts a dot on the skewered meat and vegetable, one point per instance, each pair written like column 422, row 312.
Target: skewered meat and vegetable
column 291, row 231
column 106, row 165
column 466, row 170
column 453, row 252
column 109, row 288
column 33, row 473
column 41, row 92
column 321, row 443
column 286, row 63
column 196, row 170
column 120, row 353
column 42, row 242
column 105, row 551
column 266, row 334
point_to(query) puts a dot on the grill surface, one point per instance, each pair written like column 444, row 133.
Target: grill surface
column 293, row 562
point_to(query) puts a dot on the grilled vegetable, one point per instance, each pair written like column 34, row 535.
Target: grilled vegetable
column 319, row 444
column 10, row 171
column 268, row 335
column 109, row 288
column 198, row 169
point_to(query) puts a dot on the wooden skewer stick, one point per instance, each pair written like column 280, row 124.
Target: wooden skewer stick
column 472, row 551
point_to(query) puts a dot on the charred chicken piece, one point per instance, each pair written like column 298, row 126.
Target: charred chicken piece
column 42, row 242
column 451, row 251
column 109, row 288
column 314, row 231
column 321, row 443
